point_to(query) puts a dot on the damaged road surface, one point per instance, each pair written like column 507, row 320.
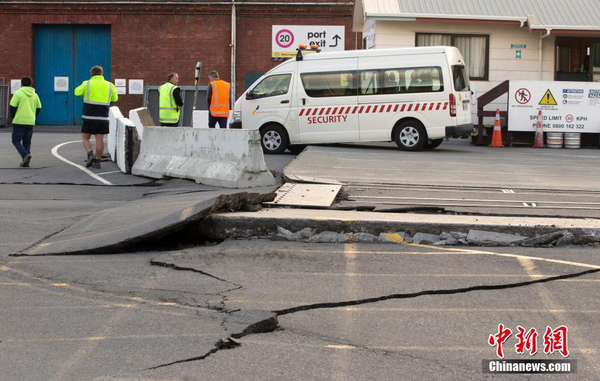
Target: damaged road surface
column 143, row 222
column 362, row 312
column 263, row 310
column 142, row 295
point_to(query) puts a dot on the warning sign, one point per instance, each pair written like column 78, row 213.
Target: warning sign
column 548, row 99
column 565, row 106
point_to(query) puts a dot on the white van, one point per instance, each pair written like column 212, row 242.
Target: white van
column 413, row 96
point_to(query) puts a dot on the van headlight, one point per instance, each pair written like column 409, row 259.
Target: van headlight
column 237, row 115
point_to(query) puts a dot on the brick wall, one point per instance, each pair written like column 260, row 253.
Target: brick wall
column 148, row 42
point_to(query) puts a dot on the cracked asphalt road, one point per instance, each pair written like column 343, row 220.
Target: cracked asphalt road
column 170, row 315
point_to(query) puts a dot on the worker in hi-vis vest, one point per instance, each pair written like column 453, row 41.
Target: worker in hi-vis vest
column 170, row 102
column 97, row 95
column 218, row 100
column 25, row 105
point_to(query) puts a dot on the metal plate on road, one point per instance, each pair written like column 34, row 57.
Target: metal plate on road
column 316, row 195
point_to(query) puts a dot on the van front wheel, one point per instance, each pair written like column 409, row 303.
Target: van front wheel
column 273, row 139
column 410, row 136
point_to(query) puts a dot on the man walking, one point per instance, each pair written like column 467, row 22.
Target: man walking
column 25, row 105
column 97, row 95
column 170, row 102
column 218, row 99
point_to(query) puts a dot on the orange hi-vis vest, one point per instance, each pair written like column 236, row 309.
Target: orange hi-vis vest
column 219, row 103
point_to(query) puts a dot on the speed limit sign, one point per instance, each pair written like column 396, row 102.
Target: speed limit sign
column 284, row 38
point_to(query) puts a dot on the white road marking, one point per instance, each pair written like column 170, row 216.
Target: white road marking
column 107, row 173
column 87, row 171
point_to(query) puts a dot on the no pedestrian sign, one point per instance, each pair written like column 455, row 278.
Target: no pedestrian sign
column 286, row 38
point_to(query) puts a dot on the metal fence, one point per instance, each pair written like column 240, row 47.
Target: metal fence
column 151, row 101
column 4, row 113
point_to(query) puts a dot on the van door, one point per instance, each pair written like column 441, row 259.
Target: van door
column 327, row 101
column 268, row 101
column 462, row 94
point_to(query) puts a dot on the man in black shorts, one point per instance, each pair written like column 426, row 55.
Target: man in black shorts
column 97, row 95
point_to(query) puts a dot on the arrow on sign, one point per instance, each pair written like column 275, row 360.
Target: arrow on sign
column 336, row 39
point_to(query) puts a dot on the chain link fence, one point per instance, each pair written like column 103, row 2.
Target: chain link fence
column 151, row 101
column 4, row 99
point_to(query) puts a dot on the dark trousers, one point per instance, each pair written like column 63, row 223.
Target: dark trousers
column 169, row 124
column 21, row 138
column 212, row 121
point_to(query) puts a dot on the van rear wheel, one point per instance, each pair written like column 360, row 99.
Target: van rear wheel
column 434, row 144
column 410, row 136
column 273, row 139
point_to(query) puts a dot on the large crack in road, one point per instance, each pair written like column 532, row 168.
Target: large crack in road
column 271, row 323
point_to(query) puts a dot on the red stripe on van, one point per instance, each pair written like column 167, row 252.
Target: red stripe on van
column 417, row 107
column 396, row 108
column 382, row 108
column 389, row 108
column 348, row 109
column 334, row 110
column 374, row 109
column 403, row 108
column 422, row 108
column 367, row 110
column 301, row 112
column 445, row 105
column 315, row 113
column 409, row 107
column 322, row 111
column 328, row 110
column 355, row 108
column 438, row 106
column 431, row 106
column 361, row 109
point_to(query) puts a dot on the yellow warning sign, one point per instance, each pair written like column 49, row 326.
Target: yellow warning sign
column 548, row 99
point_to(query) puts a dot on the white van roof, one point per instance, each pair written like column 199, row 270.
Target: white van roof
column 450, row 50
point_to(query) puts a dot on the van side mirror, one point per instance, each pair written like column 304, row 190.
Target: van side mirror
column 250, row 95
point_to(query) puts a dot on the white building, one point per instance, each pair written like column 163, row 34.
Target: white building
column 499, row 39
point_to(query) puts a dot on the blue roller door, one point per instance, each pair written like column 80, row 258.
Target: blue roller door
column 67, row 51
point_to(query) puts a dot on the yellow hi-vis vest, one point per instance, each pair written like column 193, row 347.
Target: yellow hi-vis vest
column 97, row 95
column 168, row 110
column 219, row 103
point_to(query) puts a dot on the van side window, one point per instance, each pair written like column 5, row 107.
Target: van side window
column 369, row 82
column 333, row 84
column 412, row 80
column 272, row 86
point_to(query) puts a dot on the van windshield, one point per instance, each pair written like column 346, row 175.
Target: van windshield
column 461, row 79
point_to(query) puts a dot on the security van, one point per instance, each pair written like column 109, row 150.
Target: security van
column 414, row 97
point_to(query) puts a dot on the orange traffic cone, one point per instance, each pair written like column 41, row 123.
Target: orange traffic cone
column 539, row 132
column 497, row 136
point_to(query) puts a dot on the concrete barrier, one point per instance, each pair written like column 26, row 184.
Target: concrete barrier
column 218, row 157
column 200, row 119
column 122, row 140
column 141, row 118
column 111, row 145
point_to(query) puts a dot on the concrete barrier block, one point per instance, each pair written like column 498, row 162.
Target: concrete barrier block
column 141, row 118
column 219, row 157
column 111, row 145
column 200, row 119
